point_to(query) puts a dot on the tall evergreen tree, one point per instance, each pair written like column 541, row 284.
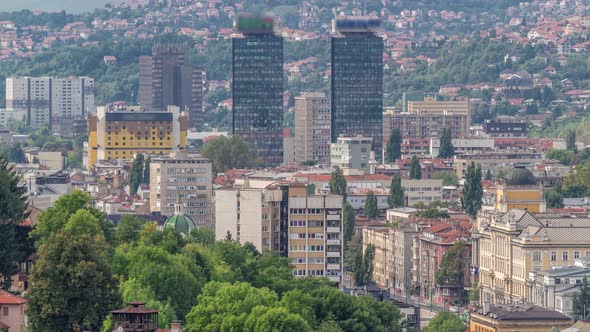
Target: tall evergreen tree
column 570, row 140
column 446, row 150
column 371, row 207
column 396, row 193
column 393, row 150
column 472, row 190
column 337, row 183
column 146, row 170
column 415, row 169
column 136, row 176
column 13, row 237
column 349, row 222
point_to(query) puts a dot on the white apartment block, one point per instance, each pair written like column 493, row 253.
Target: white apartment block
column 351, row 153
column 189, row 177
column 45, row 100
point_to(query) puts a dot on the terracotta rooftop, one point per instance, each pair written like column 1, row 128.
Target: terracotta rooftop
column 9, row 298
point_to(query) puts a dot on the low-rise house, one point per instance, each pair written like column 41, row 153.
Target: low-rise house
column 12, row 312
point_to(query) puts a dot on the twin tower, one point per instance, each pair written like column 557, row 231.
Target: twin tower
column 258, row 84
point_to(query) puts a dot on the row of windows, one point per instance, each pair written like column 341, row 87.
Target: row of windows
column 309, row 272
column 306, row 211
column 306, row 248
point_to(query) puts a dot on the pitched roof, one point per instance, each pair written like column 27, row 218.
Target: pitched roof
column 524, row 312
column 9, row 298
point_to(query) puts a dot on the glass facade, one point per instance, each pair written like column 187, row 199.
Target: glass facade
column 257, row 91
column 357, row 87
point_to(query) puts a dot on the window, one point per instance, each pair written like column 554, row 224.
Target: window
column 564, row 255
column 576, row 254
column 536, row 256
column 553, row 256
column 5, row 311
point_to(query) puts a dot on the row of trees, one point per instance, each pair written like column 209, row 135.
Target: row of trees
column 87, row 267
column 393, row 150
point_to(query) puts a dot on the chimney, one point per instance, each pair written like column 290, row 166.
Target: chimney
column 486, row 307
column 175, row 326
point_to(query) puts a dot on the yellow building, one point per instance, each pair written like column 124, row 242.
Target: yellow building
column 509, row 245
column 517, row 318
column 122, row 134
column 520, row 191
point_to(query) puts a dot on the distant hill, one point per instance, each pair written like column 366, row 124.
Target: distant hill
column 73, row 6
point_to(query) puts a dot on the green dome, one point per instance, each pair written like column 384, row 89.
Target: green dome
column 520, row 176
column 180, row 223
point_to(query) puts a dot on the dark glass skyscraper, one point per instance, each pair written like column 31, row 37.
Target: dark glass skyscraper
column 257, row 88
column 357, row 80
column 167, row 78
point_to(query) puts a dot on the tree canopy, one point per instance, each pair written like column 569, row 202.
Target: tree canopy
column 337, row 183
column 230, row 153
column 396, row 196
column 393, row 150
column 445, row 321
column 446, row 150
column 371, row 206
column 415, row 169
column 472, row 190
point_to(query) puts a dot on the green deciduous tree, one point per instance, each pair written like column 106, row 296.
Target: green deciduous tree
column 448, row 178
column 472, row 190
column 581, row 301
column 55, row 218
column 415, row 169
column 349, row 220
column 451, row 273
column 72, row 285
column 230, row 153
column 577, row 182
column 396, row 196
column 129, row 228
column 445, row 321
column 337, row 183
column 446, row 150
column 136, row 174
column 393, row 150
column 222, row 306
column 371, row 208
column 363, row 266
column 570, row 140
column 553, row 199
column 264, row 319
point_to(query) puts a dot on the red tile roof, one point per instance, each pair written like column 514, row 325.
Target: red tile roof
column 9, row 298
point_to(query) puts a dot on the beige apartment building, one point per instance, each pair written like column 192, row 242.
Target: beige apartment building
column 315, row 234
column 249, row 215
column 312, row 127
column 306, row 228
column 509, row 245
column 186, row 177
column 495, row 161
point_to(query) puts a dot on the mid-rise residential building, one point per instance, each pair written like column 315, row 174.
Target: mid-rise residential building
column 249, row 215
column 357, row 80
column 519, row 317
column 315, row 234
column 415, row 191
column 122, row 134
column 351, row 153
column 286, row 217
column 426, row 123
column 45, row 101
column 463, row 145
column 556, row 287
column 257, row 87
column 167, row 78
column 312, row 127
column 185, row 180
column 507, row 246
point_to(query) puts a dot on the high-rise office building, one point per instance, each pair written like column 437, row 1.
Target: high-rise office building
column 185, row 179
column 46, row 101
column 168, row 79
column 312, row 127
column 357, row 80
column 257, row 87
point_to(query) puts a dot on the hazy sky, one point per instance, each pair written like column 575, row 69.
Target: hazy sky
column 54, row 5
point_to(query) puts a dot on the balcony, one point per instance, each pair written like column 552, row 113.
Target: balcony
column 333, row 267
column 333, row 242
column 333, row 217
column 333, row 230
column 333, row 254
